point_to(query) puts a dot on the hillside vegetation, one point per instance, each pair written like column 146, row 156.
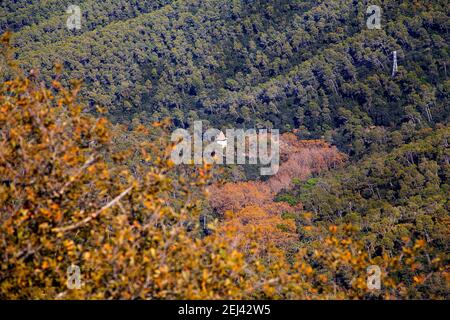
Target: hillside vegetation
column 86, row 177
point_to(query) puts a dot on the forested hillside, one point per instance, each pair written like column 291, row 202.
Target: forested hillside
column 86, row 177
column 287, row 64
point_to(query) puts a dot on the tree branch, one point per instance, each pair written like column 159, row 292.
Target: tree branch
column 93, row 215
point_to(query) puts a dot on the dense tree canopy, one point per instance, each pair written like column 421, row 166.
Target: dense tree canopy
column 86, row 177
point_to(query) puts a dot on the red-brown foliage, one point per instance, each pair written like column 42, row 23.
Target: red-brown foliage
column 249, row 206
column 301, row 158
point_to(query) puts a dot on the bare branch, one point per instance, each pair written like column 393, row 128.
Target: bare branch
column 84, row 167
column 93, row 215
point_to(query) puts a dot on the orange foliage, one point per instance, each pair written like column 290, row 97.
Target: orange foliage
column 254, row 225
column 301, row 159
column 234, row 196
column 251, row 210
